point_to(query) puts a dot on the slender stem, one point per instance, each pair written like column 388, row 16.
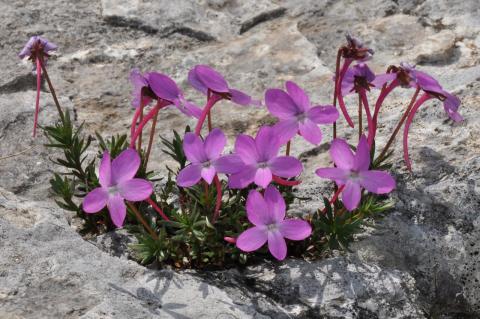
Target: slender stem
column 371, row 127
column 158, row 209
column 399, row 125
column 287, row 150
column 386, row 90
column 160, row 104
column 139, row 147
column 210, row 103
column 37, row 99
column 218, row 202
column 134, row 122
column 339, row 93
column 209, row 121
column 150, row 140
column 337, row 68
column 334, row 198
column 406, row 128
column 52, row 90
column 284, row 182
column 143, row 221
column 360, row 128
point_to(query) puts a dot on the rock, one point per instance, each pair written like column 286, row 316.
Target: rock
column 48, row 271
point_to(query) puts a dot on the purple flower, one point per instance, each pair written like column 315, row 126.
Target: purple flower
column 117, row 183
column 36, row 46
column 261, row 160
column 410, row 77
column 360, row 76
column 206, row 160
column 352, row 171
column 294, row 111
column 203, row 78
column 154, row 85
column 356, row 50
column 267, row 214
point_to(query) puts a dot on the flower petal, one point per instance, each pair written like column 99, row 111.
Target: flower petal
column 214, row 143
column 105, row 170
column 381, row 79
column 257, row 210
column 252, row 239
column 377, row 182
column 125, row 166
column 243, row 178
column 194, row 148
column 285, row 166
column 362, row 156
column 310, row 132
column 163, row 86
column 295, row 229
column 298, row 96
column 117, row 209
column 211, row 79
column 427, row 82
column 341, row 154
column 267, row 143
column 240, row 98
column 286, row 130
column 323, row 114
column 229, row 164
column 135, row 190
column 275, row 204
column 208, row 173
column 263, row 177
column 95, row 200
column 195, row 81
column 336, row 174
column 348, row 82
column 280, row 104
column 190, row 175
column 277, row 245
column 351, row 195
column 247, row 150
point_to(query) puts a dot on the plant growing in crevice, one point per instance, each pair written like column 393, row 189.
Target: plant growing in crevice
column 213, row 208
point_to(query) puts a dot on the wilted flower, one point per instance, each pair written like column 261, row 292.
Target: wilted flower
column 352, row 172
column 261, row 160
column 203, row 78
column 296, row 114
column 206, row 160
column 37, row 49
column 267, row 214
column 355, row 49
column 117, row 183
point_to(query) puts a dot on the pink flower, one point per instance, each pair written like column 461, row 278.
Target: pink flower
column 295, row 114
column 356, row 50
column 203, row 78
column 37, row 49
column 353, row 172
column 154, row 86
column 267, row 214
column 261, row 161
column 206, row 160
column 117, row 183
column 37, row 46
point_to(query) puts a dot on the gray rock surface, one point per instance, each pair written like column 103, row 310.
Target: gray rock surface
column 420, row 261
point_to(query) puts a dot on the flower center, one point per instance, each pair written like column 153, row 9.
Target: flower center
column 354, row 176
column 262, row 165
column 272, row 227
column 301, row 117
column 113, row 190
column 206, row 164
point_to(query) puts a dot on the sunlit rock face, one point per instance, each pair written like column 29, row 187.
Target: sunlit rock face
column 420, row 261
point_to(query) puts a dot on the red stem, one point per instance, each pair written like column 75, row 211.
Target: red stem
column 160, row 104
column 284, row 182
column 406, row 128
column 158, row 209
column 381, row 98
column 134, row 121
column 37, row 100
column 341, row 102
column 210, row 103
column 334, row 198
column 371, row 126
